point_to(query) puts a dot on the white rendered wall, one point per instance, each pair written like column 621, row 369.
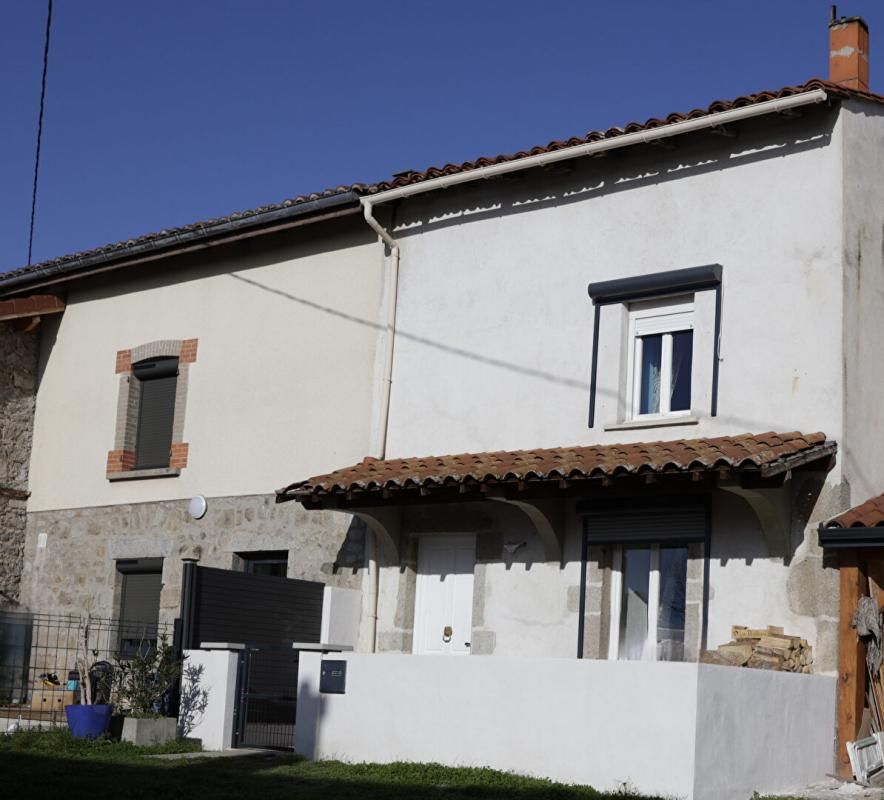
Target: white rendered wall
column 215, row 726
column 762, row 731
column 750, row 585
column 495, row 326
column 494, row 342
column 564, row 719
column 655, row 727
column 863, row 300
column 341, row 610
column 282, row 387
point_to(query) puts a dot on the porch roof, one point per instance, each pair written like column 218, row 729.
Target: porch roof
column 766, row 454
column 866, row 515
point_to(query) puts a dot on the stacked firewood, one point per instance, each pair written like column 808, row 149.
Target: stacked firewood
column 763, row 648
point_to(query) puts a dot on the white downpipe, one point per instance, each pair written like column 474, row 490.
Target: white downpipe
column 379, row 446
column 590, row 148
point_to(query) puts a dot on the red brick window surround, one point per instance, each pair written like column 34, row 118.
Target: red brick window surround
column 122, row 459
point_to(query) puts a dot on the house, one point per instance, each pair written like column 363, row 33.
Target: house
column 580, row 413
column 640, row 368
column 193, row 363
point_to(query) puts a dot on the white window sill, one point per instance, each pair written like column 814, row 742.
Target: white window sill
column 137, row 474
column 652, row 422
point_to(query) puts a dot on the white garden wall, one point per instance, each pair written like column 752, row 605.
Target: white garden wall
column 686, row 730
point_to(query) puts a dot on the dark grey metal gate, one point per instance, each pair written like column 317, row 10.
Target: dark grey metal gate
column 266, row 697
column 267, row 615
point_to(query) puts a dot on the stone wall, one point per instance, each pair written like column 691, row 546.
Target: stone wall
column 71, row 554
column 18, row 367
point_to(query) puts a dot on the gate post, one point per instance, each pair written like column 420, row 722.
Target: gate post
column 210, row 685
column 188, row 603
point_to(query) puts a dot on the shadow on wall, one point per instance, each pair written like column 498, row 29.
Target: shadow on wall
column 194, row 699
column 351, row 553
column 583, row 386
column 738, row 533
column 581, row 179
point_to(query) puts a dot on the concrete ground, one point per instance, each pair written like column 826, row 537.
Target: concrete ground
column 833, row 789
column 238, row 752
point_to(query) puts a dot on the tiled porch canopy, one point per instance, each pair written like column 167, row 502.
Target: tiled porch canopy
column 866, row 515
column 766, row 455
column 859, row 527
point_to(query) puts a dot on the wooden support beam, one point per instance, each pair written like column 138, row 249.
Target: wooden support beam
column 36, row 305
column 15, row 494
column 851, row 659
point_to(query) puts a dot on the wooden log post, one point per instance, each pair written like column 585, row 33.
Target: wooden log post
column 851, row 658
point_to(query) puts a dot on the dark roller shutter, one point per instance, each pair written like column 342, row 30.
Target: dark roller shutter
column 141, row 597
column 159, row 382
column 647, row 525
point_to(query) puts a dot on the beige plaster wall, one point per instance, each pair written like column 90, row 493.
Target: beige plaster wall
column 283, row 386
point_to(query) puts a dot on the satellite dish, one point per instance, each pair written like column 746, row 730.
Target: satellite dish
column 198, row 507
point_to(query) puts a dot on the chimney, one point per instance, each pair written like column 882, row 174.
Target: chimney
column 849, row 52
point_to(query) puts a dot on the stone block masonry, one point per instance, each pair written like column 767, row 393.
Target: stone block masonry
column 76, row 569
column 18, row 378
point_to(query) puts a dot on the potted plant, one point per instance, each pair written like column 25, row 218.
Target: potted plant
column 89, row 719
column 143, row 691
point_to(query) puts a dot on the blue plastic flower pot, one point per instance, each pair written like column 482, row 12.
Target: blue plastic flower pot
column 88, row 722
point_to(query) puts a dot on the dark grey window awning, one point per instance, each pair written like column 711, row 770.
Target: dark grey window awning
column 657, row 284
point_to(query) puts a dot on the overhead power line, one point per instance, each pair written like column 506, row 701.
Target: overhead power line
column 40, row 129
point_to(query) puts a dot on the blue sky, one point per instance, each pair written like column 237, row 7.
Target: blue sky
column 167, row 112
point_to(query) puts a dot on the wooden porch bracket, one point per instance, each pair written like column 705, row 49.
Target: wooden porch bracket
column 547, row 517
column 32, row 307
column 385, row 524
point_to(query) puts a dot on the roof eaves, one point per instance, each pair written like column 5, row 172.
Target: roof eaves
column 106, row 256
column 768, row 455
column 816, row 453
column 409, row 178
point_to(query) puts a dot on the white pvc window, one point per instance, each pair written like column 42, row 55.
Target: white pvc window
column 661, row 359
column 647, row 606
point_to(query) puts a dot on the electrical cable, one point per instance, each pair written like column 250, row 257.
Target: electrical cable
column 39, row 130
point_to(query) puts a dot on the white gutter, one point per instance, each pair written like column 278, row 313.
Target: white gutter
column 590, row 148
column 379, row 447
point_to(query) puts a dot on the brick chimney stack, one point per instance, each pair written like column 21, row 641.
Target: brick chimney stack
column 849, row 52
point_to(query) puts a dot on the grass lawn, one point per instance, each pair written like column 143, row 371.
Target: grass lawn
column 54, row 765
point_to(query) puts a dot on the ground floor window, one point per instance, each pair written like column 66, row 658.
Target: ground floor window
column 140, row 587
column 648, row 584
column 265, row 562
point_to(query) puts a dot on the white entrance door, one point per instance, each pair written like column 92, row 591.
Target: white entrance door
column 443, row 609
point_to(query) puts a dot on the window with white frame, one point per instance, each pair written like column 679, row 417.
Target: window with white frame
column 647, row 602
column 661, row 348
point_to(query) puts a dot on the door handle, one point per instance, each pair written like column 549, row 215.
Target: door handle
column 447, row 633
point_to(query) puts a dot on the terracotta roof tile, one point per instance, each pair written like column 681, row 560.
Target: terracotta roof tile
column 746, row 451
column 866, row 515
column 409, row 177
column 412, row 176
column 122, row 247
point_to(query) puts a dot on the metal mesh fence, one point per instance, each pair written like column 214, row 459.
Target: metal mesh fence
column 39, row 656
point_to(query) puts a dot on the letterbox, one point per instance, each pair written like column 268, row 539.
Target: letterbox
column 333, row 678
